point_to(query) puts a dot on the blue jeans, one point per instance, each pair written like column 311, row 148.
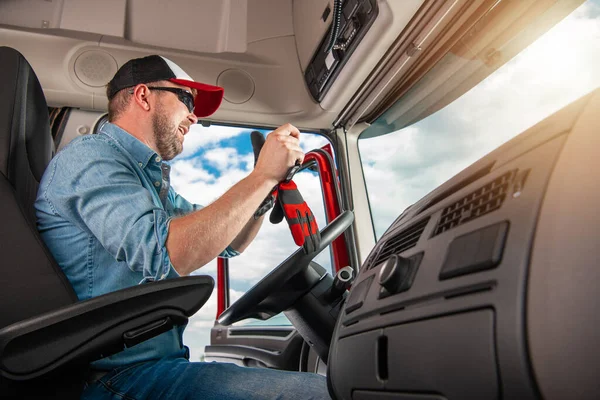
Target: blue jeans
column 177, row 378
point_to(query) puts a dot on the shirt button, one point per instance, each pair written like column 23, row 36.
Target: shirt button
column 158, row 159
column 157, row 183
column 140, row 164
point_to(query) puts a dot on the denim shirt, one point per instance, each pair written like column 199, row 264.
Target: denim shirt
column 103, row 209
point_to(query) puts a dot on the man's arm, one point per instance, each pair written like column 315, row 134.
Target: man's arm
column 241, row 241
column 247, row 234
column 197, row 238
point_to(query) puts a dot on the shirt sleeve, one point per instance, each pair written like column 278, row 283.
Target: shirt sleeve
column 183, row 207
column 95, row 187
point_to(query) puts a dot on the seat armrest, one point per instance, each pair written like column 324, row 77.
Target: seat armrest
column 98, row 327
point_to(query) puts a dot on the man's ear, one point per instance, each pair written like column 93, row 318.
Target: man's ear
column 140, row 96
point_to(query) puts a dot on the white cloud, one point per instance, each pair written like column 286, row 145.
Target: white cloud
column 209, row 269
column 206, row 137
column 191, row 181
column 222, row 157
column 311, row 141
column 185, row 172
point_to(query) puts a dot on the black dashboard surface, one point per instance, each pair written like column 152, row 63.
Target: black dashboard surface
column 439, row 308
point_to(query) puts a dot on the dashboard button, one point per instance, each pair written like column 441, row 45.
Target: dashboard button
column 358, row 294
column 475, row 251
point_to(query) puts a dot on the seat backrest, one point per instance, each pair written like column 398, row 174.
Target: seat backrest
column 31, row 282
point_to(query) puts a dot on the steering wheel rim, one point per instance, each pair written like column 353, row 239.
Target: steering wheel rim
column 295, row 263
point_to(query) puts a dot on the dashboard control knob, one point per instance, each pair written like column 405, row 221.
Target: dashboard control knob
column 394, row 272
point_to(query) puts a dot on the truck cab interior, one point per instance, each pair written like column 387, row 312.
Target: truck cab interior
column 455, row 152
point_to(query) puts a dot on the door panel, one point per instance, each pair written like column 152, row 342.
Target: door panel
column 268, row 347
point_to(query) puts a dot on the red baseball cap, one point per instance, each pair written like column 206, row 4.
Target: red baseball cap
column 157, row 68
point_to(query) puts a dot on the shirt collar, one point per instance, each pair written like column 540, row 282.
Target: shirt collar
column 138, row 150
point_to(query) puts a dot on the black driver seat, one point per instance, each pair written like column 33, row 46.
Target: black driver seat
column 26, row 148
column 44, row 331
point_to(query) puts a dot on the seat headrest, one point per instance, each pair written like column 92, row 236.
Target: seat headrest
column 25, row 138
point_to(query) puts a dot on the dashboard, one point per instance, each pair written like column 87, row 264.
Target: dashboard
column 484, row 289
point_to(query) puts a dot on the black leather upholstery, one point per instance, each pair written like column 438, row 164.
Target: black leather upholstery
column 25, row 141
column 30, row 281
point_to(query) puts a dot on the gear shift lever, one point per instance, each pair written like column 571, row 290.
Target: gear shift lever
column 341, row 282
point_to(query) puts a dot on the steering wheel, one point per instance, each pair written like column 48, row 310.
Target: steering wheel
column 277, row 291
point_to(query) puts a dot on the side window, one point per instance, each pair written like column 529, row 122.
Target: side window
column 214, row 159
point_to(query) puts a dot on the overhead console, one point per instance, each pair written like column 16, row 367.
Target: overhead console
column 485, row 288
column 350, row 21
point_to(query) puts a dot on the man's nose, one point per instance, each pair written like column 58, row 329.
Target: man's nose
column 193, row 119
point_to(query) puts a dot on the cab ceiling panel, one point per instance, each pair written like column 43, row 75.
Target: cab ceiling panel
column 200, row 26
column 205, row 26
column 105, row 17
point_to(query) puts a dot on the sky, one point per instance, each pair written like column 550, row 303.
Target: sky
column 403, row 166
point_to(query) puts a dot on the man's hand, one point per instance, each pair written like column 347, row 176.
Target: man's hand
column 279, row 153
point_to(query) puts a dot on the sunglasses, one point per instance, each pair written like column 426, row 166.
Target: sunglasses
column 183, row 95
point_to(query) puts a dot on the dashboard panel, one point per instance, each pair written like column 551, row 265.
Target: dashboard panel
column 450, row 302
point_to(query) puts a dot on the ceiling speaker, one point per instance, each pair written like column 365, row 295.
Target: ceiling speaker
column 95, row 68
column 238, row 85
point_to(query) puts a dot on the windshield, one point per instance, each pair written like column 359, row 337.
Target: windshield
column 402, row 166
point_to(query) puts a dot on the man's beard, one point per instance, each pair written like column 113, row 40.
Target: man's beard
column 165, row 135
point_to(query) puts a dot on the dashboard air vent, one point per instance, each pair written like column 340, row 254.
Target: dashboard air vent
column 400, row 242
column 477, row 203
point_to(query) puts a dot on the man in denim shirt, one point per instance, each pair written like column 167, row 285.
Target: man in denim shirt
column 107, row 213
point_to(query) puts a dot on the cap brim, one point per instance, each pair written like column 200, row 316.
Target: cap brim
column 207, row 100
